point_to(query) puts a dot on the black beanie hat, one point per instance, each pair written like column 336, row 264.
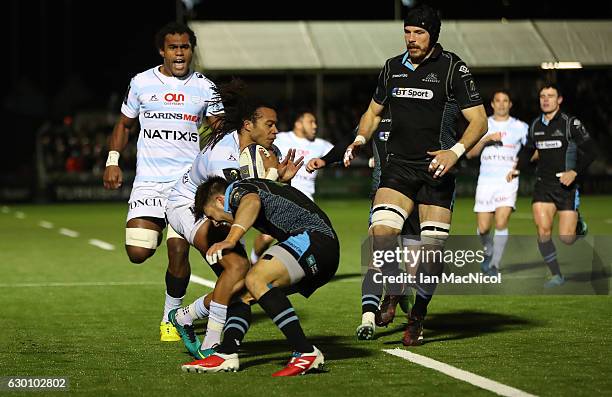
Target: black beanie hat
column 427, row 18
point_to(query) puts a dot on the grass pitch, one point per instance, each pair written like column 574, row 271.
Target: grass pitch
column 74, row 310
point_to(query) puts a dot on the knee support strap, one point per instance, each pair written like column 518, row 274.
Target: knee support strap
column 388, row 215
column 145, row 238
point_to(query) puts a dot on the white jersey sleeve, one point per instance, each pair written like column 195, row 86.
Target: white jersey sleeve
column 131, row 104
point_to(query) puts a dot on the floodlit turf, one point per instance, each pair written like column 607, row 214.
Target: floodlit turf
column 104, row 336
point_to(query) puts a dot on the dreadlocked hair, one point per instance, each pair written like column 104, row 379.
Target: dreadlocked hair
column 238, row 107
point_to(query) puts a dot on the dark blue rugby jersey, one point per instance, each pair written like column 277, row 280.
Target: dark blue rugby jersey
column 425, row 103
column 284, row 212
column 563, row 144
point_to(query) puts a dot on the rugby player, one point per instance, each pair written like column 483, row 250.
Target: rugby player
column 170, row 101
column 303, row 138
column 246, row 121
column 565, row 151
column 495, row 197
column 305, row 258
column 427, row 89
column 373, row 311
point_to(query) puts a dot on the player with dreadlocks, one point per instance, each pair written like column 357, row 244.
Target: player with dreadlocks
column 247, row 120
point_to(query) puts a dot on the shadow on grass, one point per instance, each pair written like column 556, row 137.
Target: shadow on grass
column 278, row 351
column 464, row 324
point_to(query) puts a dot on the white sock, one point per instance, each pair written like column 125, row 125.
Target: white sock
column 254, row 256
column 171, row 303
column 487, row 241
column 199, row 309
column 499, row 244
column 367, row 317
column 188, row 314
column 216, row 321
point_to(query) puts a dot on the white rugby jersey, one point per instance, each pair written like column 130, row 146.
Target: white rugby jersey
column 497, row 160
column 170, row 110
column 303, row 180
column 222, row 161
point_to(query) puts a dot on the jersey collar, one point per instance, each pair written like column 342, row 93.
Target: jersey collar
column 547, row 122
column 171, row 80
column 435, row 53
column 226, row 204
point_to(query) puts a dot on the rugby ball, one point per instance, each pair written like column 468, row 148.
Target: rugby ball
column 251, row 161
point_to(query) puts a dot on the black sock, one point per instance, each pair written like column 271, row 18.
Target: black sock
column 549, row 253
column 236, row 326
column 429, row 270
column 420, row 305
column 370, row 292
column 279, row 309
column 176, row 286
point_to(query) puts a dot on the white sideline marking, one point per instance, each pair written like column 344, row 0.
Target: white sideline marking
column 81, row 284
column 19, row 215
column 68, row 232
column 5, row 209
column 102, row 244
column 202, row 281
column 45, row 224
column 454, row 372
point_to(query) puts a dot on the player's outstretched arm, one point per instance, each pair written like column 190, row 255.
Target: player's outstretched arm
column 367, row 125
column 485, row 141
column 113, row 177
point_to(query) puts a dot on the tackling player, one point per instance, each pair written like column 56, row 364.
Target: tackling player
column 305, row 259
column 169, row 101
column 495, row 197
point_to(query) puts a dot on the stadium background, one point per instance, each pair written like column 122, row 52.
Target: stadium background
column 64, row 300
column 70, row 63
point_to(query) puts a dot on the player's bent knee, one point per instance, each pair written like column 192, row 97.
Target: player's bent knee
column 387, row 219
column 138, row 255
column 143, row 238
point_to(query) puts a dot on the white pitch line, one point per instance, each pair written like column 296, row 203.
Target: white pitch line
column 202, row 281
column 19, row 215
column 476, row 380
column 102, row 244
column 68, row 232
column 81, row 284
column 45, row 224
